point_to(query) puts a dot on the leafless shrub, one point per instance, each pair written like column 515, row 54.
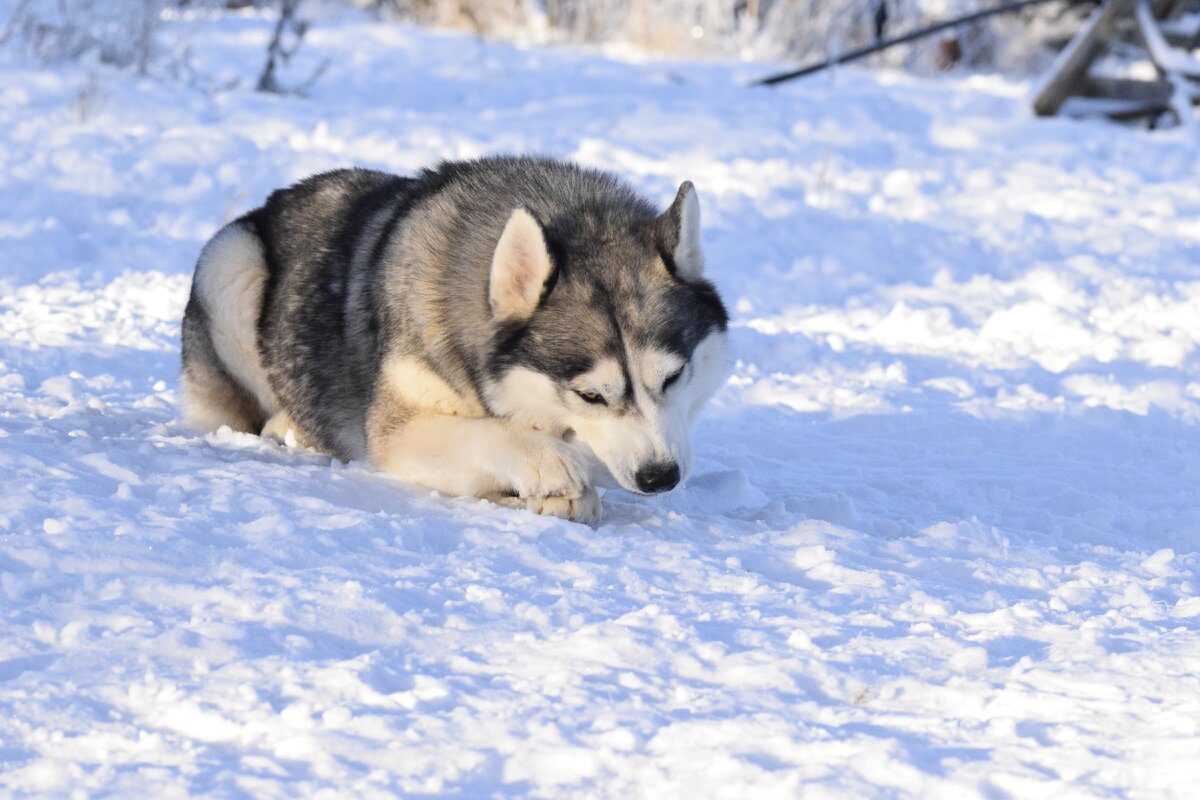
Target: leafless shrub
column 285, row 41
column 123, row 32
column 119, row 32
column 88, row 98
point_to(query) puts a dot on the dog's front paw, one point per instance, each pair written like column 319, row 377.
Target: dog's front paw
column 584, row 509
column 545, row 467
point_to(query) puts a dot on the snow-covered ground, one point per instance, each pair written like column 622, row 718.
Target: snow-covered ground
column 944, row 535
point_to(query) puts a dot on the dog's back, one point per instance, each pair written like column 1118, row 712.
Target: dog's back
column 282, row 275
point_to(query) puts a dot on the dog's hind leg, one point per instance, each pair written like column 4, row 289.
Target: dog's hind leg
column 279, row 426
column 223, row 381
column 211, row 398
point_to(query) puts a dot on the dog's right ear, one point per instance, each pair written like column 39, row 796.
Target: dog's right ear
column 521, row 268
column 678, row 231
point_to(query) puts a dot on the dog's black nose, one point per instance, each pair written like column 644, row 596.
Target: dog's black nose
column 660, row 477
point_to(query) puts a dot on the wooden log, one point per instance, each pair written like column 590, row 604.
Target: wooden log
column 1182, row 31
column 1114, row 108
column 1168, row 59
column 1126, row 89
column 1071, row 66
column 1120, row 99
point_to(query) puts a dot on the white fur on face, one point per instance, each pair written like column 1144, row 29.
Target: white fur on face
column 631, row 432
column 648, row 429
column 655, row 366
column 529, row 397
column 606, row 379
column 710, row 366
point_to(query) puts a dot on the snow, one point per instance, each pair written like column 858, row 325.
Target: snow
column 943, row 536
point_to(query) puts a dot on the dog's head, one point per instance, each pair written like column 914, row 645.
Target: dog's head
column 607, row 333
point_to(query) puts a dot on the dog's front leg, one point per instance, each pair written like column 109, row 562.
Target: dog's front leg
column 489, row 458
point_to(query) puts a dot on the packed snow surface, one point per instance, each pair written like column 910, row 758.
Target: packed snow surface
column 943, row 535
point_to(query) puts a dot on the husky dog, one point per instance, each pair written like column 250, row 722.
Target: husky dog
column 491, row 328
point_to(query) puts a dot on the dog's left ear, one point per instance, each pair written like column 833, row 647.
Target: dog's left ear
column 678, row 231
column 521, row 269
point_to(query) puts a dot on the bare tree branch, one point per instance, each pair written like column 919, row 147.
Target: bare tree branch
column 276, row 50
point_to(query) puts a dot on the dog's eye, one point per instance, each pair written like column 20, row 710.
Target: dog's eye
column 672, row 380
column 595, row 398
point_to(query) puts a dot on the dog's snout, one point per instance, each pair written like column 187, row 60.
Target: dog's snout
column 657, row 477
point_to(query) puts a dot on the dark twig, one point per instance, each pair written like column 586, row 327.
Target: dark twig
column 863, row 52
column 276, row 51
column 18, row 12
